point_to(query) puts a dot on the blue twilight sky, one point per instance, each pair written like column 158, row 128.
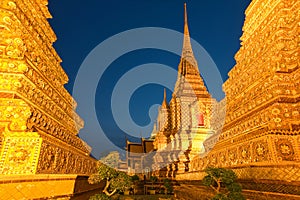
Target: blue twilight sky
column 82, row 25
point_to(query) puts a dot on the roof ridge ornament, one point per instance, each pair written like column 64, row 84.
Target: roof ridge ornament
column 187, row 51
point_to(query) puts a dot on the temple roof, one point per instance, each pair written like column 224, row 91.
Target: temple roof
column 189, row 81
column 145, row 146
column 187, row 51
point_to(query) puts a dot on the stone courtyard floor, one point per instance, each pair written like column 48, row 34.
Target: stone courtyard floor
column 86, row 196
column 146, row 197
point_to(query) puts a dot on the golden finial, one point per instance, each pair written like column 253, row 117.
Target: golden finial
column 185, row 14
column 165, row 103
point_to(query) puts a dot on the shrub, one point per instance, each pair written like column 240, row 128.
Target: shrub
column 223, row 182
column 100, row 197
column 115, row 180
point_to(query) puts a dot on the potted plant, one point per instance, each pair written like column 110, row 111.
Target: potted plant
column 168, row 185
column 127, row 191
column 127, row 188
column 153, row 180
column 135, row 180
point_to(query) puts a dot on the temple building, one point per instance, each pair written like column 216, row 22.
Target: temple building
column 184, row 123
column 261, row 134
column 38, row 122
column 137, row 158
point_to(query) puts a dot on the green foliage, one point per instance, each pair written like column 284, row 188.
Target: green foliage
column 235, row 196
column 121, row 182
column 234, row 187
column 220, row 196
column 223, row 182
column 100, row 197
column 107, row 171
column 153, row 179
column 208, row 181
column 135, row 178
column 168, row 185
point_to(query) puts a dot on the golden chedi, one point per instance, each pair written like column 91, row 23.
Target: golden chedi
column 184, row 123
column 39, row 126
column 260, row 138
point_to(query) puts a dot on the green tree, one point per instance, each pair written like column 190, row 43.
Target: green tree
column 223, row 182
column 107, row 171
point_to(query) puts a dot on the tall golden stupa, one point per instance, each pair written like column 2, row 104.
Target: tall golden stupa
column 38, row 122
column 184, row 123
column 260, row 140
